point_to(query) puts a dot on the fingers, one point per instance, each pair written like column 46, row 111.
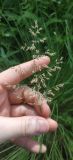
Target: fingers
column 30, row 144
column 33, row 98
column 22, row 110
column 53, row 125
column 24, row 126
column 16, row 74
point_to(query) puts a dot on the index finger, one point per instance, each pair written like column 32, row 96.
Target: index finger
column 18, row 73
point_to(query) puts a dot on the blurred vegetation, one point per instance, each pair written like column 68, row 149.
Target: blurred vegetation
column 56, row 19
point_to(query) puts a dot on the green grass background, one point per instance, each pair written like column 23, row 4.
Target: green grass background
column 56, row 19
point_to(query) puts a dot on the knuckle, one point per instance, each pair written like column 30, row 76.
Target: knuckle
column 29, row 126
column 35, row 66
column 23, row 126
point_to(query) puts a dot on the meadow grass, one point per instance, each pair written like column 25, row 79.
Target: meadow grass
column 29, row 29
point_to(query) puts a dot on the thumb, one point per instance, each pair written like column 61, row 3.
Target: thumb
column 24, row 126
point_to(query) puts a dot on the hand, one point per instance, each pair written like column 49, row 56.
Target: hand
column 21, row 114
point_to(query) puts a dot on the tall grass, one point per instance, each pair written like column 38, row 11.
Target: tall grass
column 55, row 17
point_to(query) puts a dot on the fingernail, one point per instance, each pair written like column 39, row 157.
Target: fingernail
column 46, row 58
column 42, row 149
column 53, row 125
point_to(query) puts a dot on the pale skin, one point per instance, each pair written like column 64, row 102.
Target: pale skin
column 21, row 114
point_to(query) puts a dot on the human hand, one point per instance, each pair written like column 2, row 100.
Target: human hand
column 21, row 114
